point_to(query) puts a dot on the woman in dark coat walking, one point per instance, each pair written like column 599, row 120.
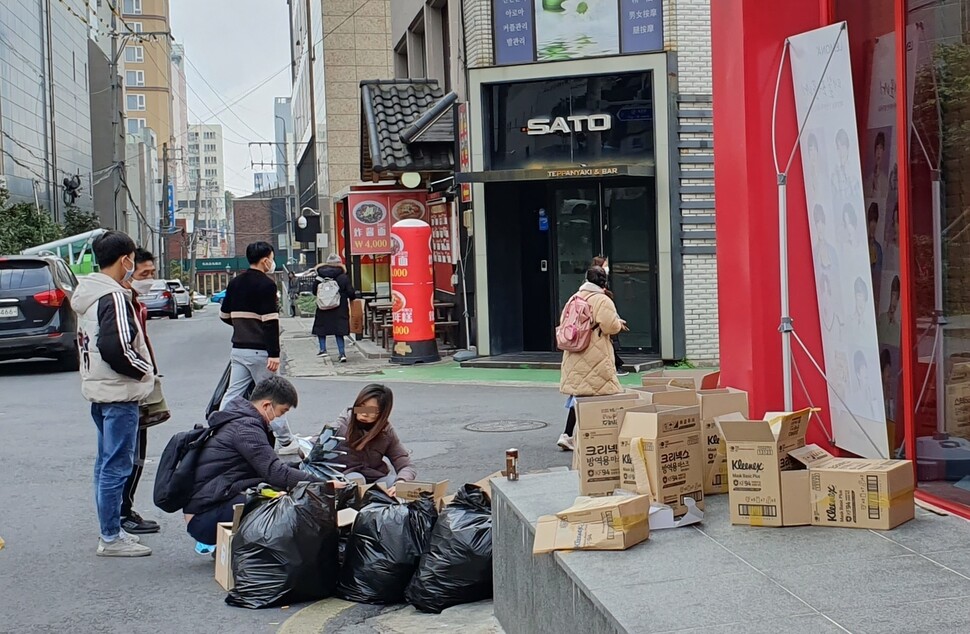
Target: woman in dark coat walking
column 334, row 321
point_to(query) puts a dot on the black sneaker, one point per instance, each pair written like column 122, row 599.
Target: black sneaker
column 322, row 353
column 138, row 525
column 343, row 359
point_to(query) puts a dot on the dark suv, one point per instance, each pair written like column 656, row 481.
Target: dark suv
column 36, row 319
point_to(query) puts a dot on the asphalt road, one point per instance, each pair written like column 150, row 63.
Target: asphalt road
column 50, row 579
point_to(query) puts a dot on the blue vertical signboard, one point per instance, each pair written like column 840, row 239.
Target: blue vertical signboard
column 170, row 206
column 513, row 23
column 641, row 26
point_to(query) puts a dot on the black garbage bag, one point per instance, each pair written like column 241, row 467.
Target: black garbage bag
column 221, row 387
column 457, row 567
column 384, row 548
column 285, row 550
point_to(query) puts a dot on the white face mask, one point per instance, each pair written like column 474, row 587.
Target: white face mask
column 607, row 269
column 272, row 267
column 142, row 287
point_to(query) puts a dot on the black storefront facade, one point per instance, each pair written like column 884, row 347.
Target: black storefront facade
column 569, row 163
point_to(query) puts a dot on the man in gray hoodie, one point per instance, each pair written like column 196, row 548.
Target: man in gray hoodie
column 116, row 375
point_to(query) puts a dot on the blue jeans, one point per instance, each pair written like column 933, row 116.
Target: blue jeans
column 117, row 425
column 341, row 345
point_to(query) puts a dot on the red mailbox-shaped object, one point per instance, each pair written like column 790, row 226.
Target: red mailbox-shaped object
column 412, row 293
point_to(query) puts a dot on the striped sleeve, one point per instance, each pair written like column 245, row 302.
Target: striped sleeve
column 117, row 331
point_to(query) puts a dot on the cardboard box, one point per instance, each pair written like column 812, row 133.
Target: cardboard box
column 689, row 379
column 224, row 533
column 665, row 395
column 765, row 485
column 596, row 457
column 410, row 491
column 357, row 316
column 662, row 455
column 958, row 401
column 714, row 403
column 613, row 523
column 346, row 517
column 857, row 492
column 486, row 483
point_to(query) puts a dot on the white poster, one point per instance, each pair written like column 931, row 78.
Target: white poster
column 835, row 191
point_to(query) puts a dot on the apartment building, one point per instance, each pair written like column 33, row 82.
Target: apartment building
column 45, row 115
column 206, row 163
column 178, row 147
column 334, row 46
column 147, row 64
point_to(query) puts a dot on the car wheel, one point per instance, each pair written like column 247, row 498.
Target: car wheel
column 70, row 361
column 175, row 312
column 188, row 312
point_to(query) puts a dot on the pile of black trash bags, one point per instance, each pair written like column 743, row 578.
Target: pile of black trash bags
column 289, row 549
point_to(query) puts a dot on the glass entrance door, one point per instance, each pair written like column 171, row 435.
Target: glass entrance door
column 619, row 222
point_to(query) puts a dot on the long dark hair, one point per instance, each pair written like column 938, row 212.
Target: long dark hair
column 360, row 435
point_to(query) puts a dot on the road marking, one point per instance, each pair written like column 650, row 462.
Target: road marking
column 313, row 618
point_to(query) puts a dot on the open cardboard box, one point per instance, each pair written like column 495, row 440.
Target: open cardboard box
column 714, row 403
column 413, row 490
column 689, row 379
column 662, row 456
column 858, row 492
column 225, row 531
column 596, row 457
column 612, row 523
column 764, row 487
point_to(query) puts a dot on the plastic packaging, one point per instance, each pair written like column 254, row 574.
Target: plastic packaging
column 321, row 461
column 384, row 548
column 215, row 403
column 285, row 550
column 457, row 567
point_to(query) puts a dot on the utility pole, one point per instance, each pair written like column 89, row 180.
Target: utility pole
column 117, row 159
column 165, row 226
column 194, row 242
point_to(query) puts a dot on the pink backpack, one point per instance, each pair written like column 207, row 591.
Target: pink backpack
column 575, row 326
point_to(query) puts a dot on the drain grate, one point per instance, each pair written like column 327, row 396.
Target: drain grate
column 506, row 425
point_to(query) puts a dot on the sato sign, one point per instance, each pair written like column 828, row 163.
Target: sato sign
column 370, row 215
column 568, row 125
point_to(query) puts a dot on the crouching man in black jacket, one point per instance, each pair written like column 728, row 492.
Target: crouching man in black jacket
column 240, row 455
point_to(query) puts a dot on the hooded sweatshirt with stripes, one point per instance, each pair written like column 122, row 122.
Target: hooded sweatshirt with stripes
column 116, row 365
column 251, row 308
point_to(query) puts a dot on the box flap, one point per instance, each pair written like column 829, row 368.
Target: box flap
column 812, row 456
column 789, row 425
column 547, row 527
column 346, row 517
column 714, row 403
column 739, row 431
column 237, row 511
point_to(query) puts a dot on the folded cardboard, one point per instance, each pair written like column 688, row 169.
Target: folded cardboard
column 346, row 517
column 690, row 379
column 613, row 523
column 486, row 484
column 662, row 517
column 662, row 455
column 665, row 395
column 765, row 485
column 596, row 456
column 413, row 490
column 858, row 492
column 225, row 531
column 357, row 316
column 714, row 403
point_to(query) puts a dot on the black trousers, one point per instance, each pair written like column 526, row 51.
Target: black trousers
column 571, row 422
column 202, row 527
column 131, row 485
column 616, row 355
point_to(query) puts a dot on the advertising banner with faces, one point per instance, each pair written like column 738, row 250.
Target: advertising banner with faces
column 835, row 191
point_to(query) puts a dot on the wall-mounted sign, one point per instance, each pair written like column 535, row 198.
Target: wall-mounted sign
column 566, row 125
column 464, row 150
column 583, row 172
column 526, row 31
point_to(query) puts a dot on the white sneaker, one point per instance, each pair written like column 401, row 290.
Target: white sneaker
column 566, row 443
column 134, row 539
column 122, row 547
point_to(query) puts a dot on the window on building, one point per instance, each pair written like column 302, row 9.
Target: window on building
column 194, row 136
column 137, row 27
column 193, row 160
column 210, row 135
column 211, row 173
column 132, row 7
column 401, row 60
column 136, row 102
column 210, row 160
column 134, row 78
column 194, row 148
column 135, row 54
column 135, row 125
column 210, row 147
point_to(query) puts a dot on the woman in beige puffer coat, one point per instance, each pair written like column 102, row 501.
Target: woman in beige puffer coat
column 591, row 372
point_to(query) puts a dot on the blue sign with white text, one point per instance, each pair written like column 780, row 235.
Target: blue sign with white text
column 170, row 197
column 641, row 26
column 513, row 24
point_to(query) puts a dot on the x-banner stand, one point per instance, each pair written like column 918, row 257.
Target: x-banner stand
column 787, row 327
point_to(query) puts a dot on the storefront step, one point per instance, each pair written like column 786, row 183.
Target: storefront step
column 552, row 361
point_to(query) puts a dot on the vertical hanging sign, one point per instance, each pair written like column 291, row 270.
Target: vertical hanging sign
column 824, row 101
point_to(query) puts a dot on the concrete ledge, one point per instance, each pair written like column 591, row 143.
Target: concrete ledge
column 727, row 578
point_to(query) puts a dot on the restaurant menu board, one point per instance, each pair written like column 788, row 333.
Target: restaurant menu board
column 371, row 215
column 442, row 245
column 526, row 31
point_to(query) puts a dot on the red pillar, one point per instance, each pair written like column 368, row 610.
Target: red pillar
column 747, row 42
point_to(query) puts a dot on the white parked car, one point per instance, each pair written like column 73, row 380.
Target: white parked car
column 182, row 297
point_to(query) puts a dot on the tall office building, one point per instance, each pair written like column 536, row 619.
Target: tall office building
column 205, row 162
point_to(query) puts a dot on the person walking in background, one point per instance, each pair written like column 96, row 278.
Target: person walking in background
column 604, row 263
column 251, row 308
column 334, row 291
column 140, row 284
column 292, row 291
column 590, row 372
column 116, row 375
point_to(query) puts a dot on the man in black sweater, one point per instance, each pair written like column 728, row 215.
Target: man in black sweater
column 240, row 455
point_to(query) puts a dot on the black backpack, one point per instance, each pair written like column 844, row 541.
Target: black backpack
column 175, row 478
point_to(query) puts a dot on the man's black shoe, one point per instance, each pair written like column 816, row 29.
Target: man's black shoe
column 138, row 525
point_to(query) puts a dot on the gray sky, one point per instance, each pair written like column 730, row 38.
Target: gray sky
column 235, row 45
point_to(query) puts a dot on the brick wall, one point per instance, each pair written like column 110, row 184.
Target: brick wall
column 478, row 33
column 252, row 221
